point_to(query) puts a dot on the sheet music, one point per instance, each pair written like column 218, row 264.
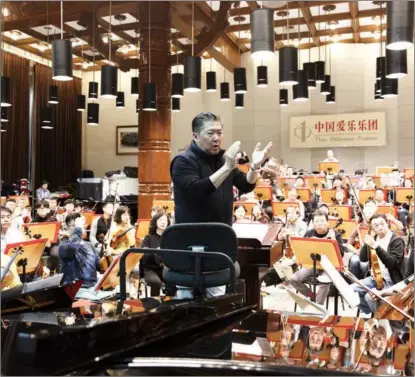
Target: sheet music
column 305, row 303
column 256, row 231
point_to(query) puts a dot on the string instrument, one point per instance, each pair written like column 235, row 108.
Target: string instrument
column 288, row 248
column 6, row 277
column 403, row 299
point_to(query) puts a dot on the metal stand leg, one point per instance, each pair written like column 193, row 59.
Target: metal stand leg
column 315, row 258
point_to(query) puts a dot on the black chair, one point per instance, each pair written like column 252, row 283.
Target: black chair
column 194, row 269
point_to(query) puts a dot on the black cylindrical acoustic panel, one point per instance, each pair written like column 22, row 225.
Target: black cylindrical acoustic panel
column 396, row 64
column 262, row 34
column 120, row 100
column 93, row 114
column 53, row 95
column 262, row 76
column 93, row 90
column 378, row 86
column 380, row 67
column 175, row 105
column 378, row 96
column 239, row 80
column 137, row 106
column 310, row 69
column 224, row 91
column 134, row 86
column 5, row 91
column 62, row 59
column 300, row 90
column 46, row 115
column 400, row 25
column 211, row 81
column 239, row 101
column 320, row 71
column 283, row 97
column 192, row 74
column 389, row 88
column 80, row 102
column 325, row 86
column 150, row 97
column 109, row 81
column 177, row 84
column 5, row 114
column 331, row 98
column 288, row 59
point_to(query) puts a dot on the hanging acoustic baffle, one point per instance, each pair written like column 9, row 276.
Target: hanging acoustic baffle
column 5, row 114
column 378, row 95
column 378, row 86
column 283, row 97
column 396, row 64
column 300, row 90
column 239, row 101
column 177, row 85
column 5, row 91
column 46, row 115
column 224, row 91
column 320, row 71
column 211, row 81
column 175, row 105
column 192, row 74
column 262, row 34
column 137, row 106
column 389, row 88
column 239, row 80
column 331, row 98
column 109, row 81
column 325, row 86
column 62, row 60
column 80, row 102
column 380, row 67
column 93, row 90
column 120, row 100
column 262, row 76
column 93, row 114
column 400, row 24
column 53, row 95
column 150, row 97
column 288, row 59
column 310, row 69
column 134, row 86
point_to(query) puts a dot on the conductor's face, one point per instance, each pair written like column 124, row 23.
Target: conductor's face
column 209, row 139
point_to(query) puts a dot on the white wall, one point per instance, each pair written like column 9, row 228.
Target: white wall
column 353, row 74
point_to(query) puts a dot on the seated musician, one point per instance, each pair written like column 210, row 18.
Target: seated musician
column 338, row 183
column 370, row 184
column 43, row 212
column 42, row 192
column 69, row 205
column 323, row 208
column 155, row 209
column 295, row 226
column 299, row 182
column 321, row 230
column 101, row 225
column 122, row 224
column 259, row 215
column 339, row 199
column 8, row 234
column 293, row 197
column 380, row 198
column 152, row 265
column 389, row 249
column 240, row 214
column 22, row 211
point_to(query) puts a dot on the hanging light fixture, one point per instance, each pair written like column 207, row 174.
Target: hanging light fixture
column 288, row 57
column 120, row 100
column 175, row 108
column 396, row 64
column 134, row 80
column 53, row 95
column 239, row 74
column 300, row 90
column 389, row 88
column 62, row 56
column 177, row 78
column 5, row 91
column 150, row 89
column 80, row 102
column 224, row 91
column 46, row 115
column 93, row 88
column 109, row 72
column 134, row 86
column 378, row 86
column 331, row 98
column 400, row 22
column 380, row 67
column 325, row 86
column 93, row 114
column 239, row 101
column 283, row 97
column 192, row 65
column 262, row 34
column 378, row 95
column 320, row 65
column 137, row 106
column 211, row 79
column 5, row 114
column 93, row 85
column 262, row 76
column 310, row 68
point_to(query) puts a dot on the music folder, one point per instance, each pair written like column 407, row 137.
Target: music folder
column 32, row 252
column 48, row 230
column 404, row 195
column 256, row 235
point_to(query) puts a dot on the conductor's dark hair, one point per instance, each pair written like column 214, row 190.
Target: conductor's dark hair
column 201, row 119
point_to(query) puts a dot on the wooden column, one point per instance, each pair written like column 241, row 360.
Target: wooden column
column 154, row 127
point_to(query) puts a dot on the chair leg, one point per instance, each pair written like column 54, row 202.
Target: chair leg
column 336, row 303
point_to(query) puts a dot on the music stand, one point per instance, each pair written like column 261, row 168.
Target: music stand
column 263, row 193
column 280, row 208
column 308, row 252
column 285, row 183
column 167, row 205
column 329, row 167
column 27, row 261
column 327, row 195
column 408, row 173
column 247, row 204
column 49, row 230
column 384, row 170
column 343, row 211
column 346, row 228
column 404, row 195
column 365, row 195
column 243, row 168
column 304, row 194
column 111, row 278
column 89, row 217
column 393, row 210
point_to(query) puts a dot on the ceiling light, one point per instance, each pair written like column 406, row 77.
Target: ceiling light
column 333, row 24
column 263, row 35
column 335, row 38
column 400, row 26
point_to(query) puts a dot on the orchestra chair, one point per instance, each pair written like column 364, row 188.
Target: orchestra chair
column 207, row 258
column 142, row 230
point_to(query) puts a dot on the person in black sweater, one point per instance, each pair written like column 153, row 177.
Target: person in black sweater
column 151, row 264
column 43, row 213
column 204, row 174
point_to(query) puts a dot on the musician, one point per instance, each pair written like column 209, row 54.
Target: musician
column 293, row 197
column 259, row 215
column 330, row 157
column 151, row 264
column 22, row 211
column 8, row 234
column 390, row 251
column 380, row 198
column 294, row 226
column 101, row 225
column 339, row 199
column 239, row 214
column 69, row 205
column 321, row 230
column 338, row 183
column 43, row 212
column 299, row 182
column 53, row 204
column 42, row 192
column 204, row 174
column 156, row 209
column 122, row 223
column 370, row 184
column 78, row 206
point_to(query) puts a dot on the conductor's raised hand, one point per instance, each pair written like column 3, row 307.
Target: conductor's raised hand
column 259, row 156
column 230, row 155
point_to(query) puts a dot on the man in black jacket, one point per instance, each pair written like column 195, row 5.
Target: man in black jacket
column 389, row 248
column 204, row 174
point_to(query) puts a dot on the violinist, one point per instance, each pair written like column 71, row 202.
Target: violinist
column 122, row 234
column 293, row 197
column 380, row 198
column 294, row 226
column 389, row 248
column 259, row 215
column 8, row 234
column 240, row 214
column 43, row 212
column 53, row 205
column 101, row 225
column 69, row 205
column 22, row 211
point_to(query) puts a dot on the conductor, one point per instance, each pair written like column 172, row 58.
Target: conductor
column 204, row 174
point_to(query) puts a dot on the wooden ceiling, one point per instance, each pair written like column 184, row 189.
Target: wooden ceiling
column 32, row 25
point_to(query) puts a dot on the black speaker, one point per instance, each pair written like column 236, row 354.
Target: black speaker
column 89, row 188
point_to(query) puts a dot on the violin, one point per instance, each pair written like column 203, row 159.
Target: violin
column 375, row 266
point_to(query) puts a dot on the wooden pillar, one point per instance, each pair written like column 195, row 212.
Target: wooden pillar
column 154, row 127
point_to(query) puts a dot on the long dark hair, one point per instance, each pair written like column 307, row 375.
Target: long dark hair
column 119, row 212
column 153, row 223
